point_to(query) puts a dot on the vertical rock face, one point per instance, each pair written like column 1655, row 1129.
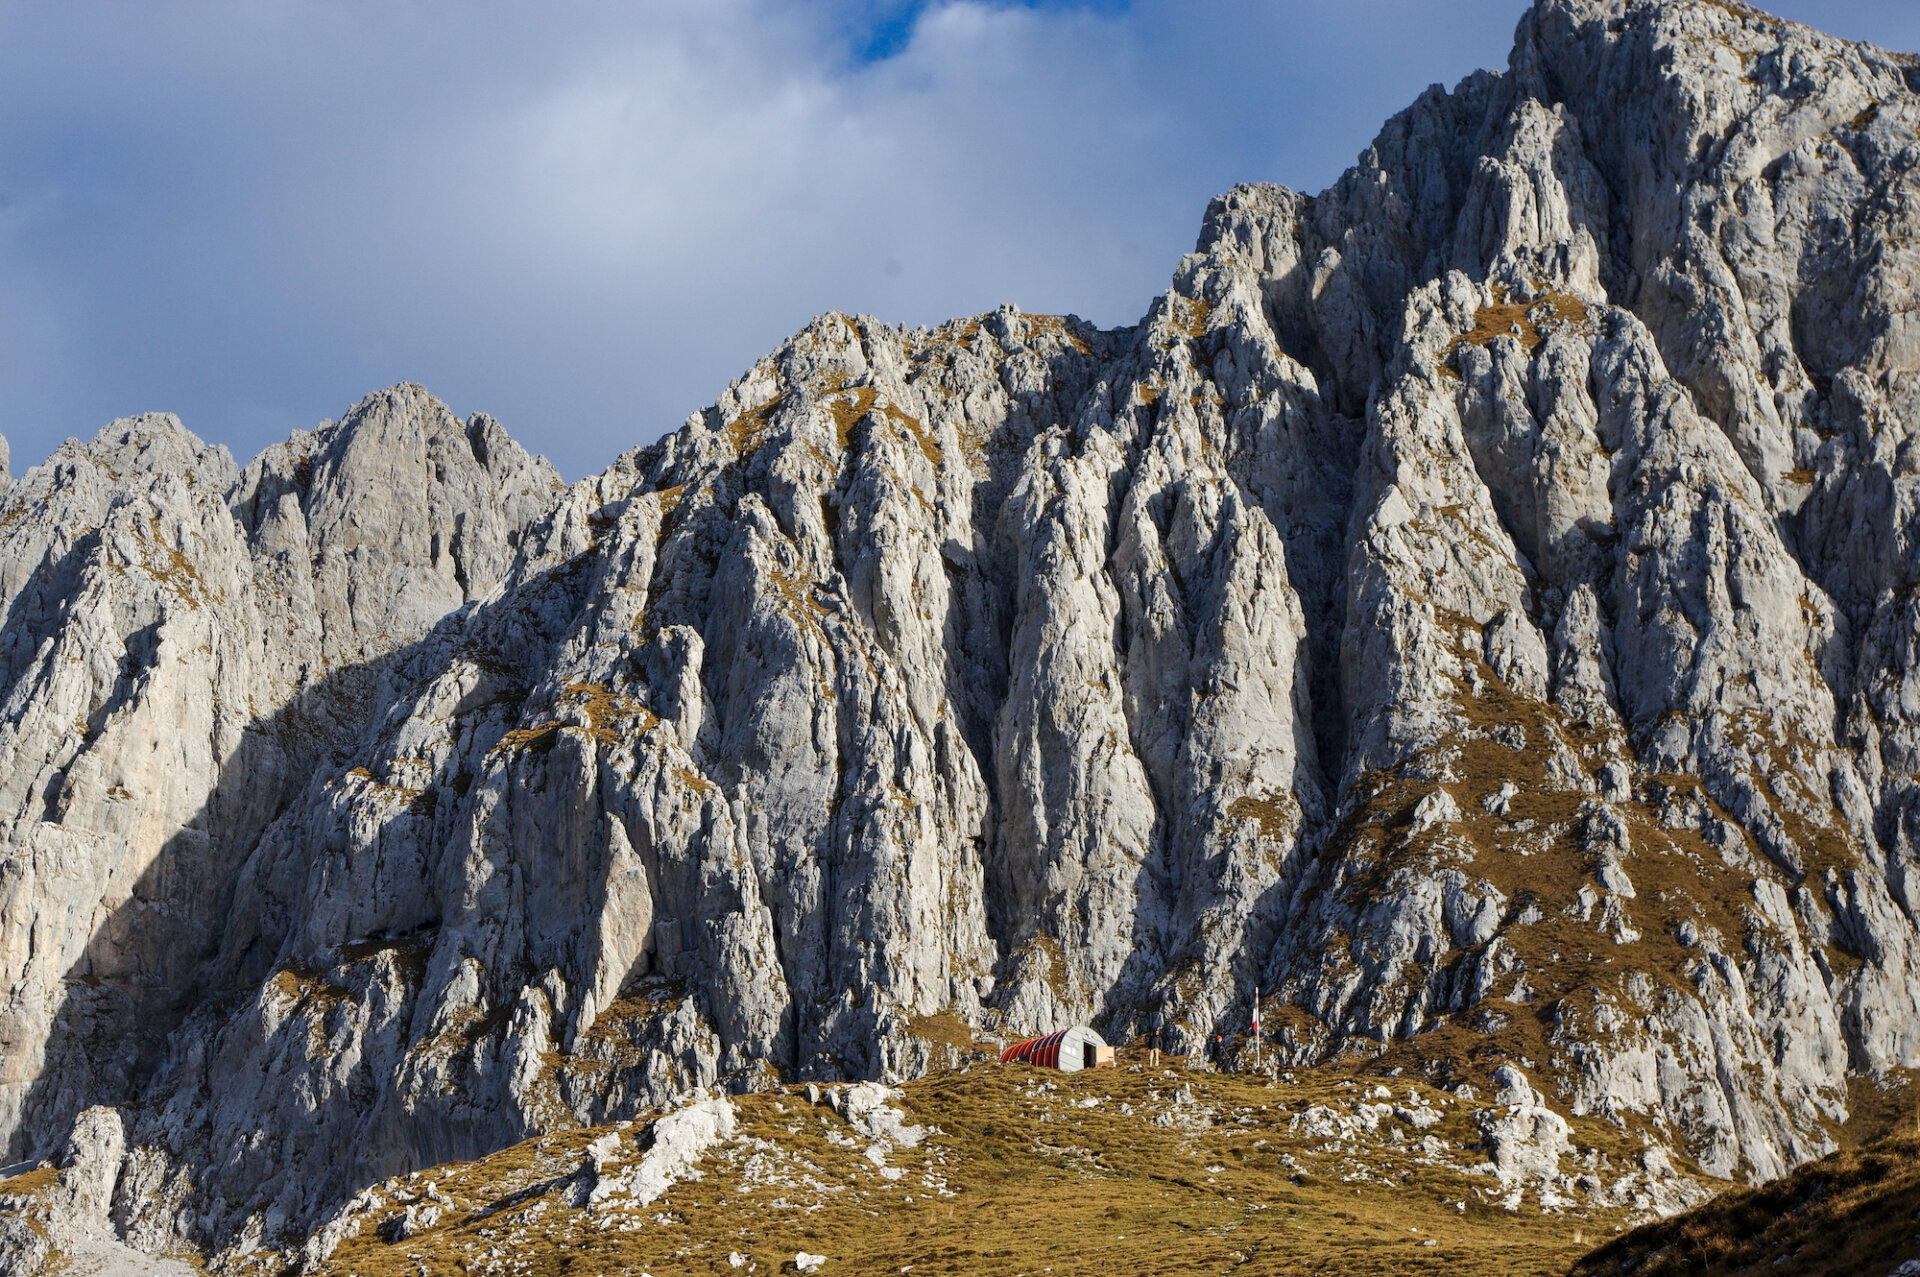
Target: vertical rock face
column 1475, row 606
column 180, row 644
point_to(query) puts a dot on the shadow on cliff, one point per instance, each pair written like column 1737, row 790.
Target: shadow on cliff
column 177, row 944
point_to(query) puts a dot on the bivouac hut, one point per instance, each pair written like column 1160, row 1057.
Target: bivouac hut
column 1069, row 1050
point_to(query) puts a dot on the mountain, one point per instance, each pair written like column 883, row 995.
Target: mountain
column 1475, row 607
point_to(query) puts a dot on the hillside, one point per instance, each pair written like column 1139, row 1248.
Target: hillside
column 1852, row 1212
column 1010, row 1169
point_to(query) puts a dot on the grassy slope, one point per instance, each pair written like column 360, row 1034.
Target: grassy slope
column 1020, row 1179
column 1854, row 1214
column 1170, row 1172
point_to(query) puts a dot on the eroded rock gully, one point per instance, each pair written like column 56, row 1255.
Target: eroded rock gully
column 1475, row 605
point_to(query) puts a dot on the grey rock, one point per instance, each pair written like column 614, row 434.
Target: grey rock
column 678, row 1142
column 1524, row 1138
column 1479, row 595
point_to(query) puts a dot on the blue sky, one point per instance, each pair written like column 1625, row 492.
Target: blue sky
column 585, row 217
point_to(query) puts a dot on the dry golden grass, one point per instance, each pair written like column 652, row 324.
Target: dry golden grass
column 1529, row 323
column 929, row 447
column 947, row 1030
column 1880, row 1108
column 12, row 512
column 611, row 718
column 1854, row 1214
column 695, row 781
column 610, row 714
column 30, row 1183
column 850, row 407
column 1014, row 1178
column 750, row 429
column 1190, row 316
column 1055, row 327
column 1278, row 813
column 942, row 345
column 956, row 332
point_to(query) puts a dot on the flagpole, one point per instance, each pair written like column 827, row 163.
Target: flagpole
column 1256, row 1028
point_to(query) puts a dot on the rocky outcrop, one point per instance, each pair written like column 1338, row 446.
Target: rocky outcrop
column 1472, row 606
column 676, row 1144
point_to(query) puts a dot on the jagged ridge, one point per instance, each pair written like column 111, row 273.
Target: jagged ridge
column 1473, row 606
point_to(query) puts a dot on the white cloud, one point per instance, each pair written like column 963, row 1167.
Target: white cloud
column 585, row 217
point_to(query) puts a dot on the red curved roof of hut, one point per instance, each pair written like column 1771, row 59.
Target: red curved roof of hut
column 1041, row 1052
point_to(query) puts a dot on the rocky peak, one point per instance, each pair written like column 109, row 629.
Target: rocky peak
column 1470, row 607
column 399, row 493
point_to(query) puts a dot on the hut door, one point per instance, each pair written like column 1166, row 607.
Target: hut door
column 1089, row 1058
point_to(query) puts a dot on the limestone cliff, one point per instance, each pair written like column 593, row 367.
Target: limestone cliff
column 1475, row 606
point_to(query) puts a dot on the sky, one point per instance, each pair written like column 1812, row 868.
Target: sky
column 585, row 217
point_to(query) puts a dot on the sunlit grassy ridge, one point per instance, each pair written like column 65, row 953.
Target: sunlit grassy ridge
column 1024, row 1171
column 1854, row 1214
